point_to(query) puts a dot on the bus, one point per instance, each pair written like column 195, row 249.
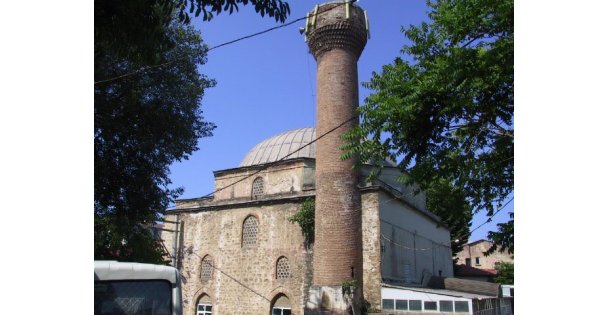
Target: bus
column 124, row 288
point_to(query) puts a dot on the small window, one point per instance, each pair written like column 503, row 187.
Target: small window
column 467, row 261
column 477, row 261
column 430, row 305
column 206, row 268
column 283, row 271
column 203, row 309
column 401, row 305
column 446, row 306
column 250, row 231
column 415, row 305
column 281, row 306
column 388, row 304
column 461, row 306
column 257, row 189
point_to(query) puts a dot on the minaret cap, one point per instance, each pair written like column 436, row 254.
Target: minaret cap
column 336, row 25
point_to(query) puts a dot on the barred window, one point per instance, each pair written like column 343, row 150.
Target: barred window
column 257, row 189
column 206, row 268
column 250, row 231
column 283, row 271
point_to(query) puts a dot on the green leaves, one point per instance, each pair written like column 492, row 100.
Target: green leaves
column 306, row 219
column 273, row 8
column 447, row 117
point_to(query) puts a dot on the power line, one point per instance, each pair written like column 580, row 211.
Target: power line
column 490, row 218
column 265, row 166
column 220, row 45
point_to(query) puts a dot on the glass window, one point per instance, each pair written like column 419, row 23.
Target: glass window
column 203, row 309
column 477, row 261
column 206, row 268
column 132, row 297
column 467, row 261
column 283, row 271
column 461, row 306
column 446, row 306
column 415, row 305
column 257, row 189
column 388, row 304
column 281, row 311
column 401, row 304
column 250, row 231
column 430, row 305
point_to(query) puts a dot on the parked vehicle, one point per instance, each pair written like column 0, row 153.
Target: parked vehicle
column 123, row 288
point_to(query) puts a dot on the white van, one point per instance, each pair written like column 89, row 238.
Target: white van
column 123, row 288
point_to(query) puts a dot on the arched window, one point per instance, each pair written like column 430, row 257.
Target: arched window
column 250, row 231
column 281, row 305
column 206, row 268
column 203, row 307
column 257, row 189
column 282, row 268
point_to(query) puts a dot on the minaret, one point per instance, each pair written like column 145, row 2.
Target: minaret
column 336, row 33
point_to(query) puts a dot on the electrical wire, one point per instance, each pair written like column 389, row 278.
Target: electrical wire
column 490, row 218
column 265, row 166
column 217, row 46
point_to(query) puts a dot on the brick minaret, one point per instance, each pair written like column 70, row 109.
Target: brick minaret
column 336, row 34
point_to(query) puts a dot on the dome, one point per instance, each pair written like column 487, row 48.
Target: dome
column 276, row 147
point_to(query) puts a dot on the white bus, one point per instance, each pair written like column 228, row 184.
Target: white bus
column 123, row 288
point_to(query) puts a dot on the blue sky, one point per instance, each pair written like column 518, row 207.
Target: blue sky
column 266, row 85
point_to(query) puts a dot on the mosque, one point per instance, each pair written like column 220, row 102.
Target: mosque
column 238, row 251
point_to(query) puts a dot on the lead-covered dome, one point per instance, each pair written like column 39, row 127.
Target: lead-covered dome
column 276, row 147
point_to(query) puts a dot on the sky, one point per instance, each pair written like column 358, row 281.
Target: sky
column 46, row 135
column 266, row 85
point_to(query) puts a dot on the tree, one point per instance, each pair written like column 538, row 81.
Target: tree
column 447, row 116
column 145, row 121
column 506, row 273
column 143, row 124
column 504, row 239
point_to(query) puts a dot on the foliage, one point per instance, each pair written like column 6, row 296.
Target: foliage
column 136, row 28
column 142, row 124
column 349, row 286
column 506, row 273
column 145, row 122
column 447, row 116
column 450, row 204
column 273, row 8
column 504, row 239
column 306, row 219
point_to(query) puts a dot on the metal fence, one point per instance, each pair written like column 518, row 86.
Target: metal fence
column 493, row 306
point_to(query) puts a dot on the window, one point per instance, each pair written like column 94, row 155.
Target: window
column 206, row 268
column 477, row 261
column 282, row 268
column 415, row 305
column 401, row 304
column 257, row 189
column 430, row 305
column 133, row 297
column 446, row 306
column 250, row 231
column 461, row 306
column 203, row 309
column 467, row 261
column 388, row 304
column 281, row 306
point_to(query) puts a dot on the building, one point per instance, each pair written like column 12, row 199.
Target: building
column 239, row 252
column 472, row 254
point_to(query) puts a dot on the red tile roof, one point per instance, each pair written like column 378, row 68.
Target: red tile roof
column 464, row 270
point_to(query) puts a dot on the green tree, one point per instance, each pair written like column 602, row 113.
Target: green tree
column 504, row 239
column 447, row 116
column 506, row 273
column 145, row 121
